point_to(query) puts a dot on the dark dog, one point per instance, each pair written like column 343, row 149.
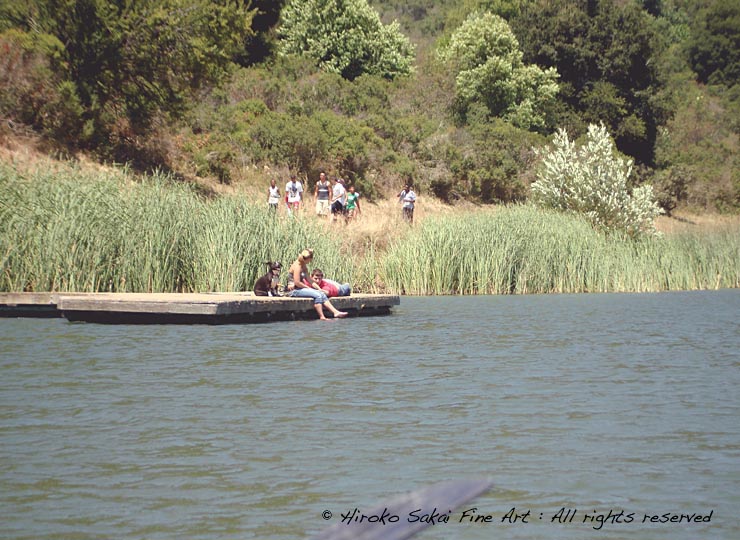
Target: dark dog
column 267, row 285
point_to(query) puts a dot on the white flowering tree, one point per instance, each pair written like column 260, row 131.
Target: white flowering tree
column 592, row 179
column 485, row 57
column 345, row 37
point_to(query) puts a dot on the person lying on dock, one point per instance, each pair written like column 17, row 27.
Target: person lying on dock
column 267, row 285
column 306, row 287
column 329, row 286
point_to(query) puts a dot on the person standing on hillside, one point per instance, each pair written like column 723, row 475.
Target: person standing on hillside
column 322, row 194
column 407, row 198
column 353, row 204
column 273, row 196
column 339, row 196
column 294, row 191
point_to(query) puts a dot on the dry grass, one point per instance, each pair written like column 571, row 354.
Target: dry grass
column 683, row 221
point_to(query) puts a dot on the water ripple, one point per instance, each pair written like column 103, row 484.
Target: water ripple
column 587, row 401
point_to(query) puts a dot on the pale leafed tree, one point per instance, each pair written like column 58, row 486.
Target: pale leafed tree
column 592, row 179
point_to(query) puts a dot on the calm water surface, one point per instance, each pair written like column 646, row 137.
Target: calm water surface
column 587, row 402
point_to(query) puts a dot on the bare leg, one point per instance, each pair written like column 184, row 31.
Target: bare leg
column 337, row 314
column 320, row 310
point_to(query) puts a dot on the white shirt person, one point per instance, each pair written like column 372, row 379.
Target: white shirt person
column 294, row 192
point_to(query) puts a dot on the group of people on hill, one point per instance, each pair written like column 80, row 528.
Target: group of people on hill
column 302, row 284
column 337, row 201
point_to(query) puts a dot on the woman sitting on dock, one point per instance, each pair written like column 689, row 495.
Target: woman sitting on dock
column 306, row 287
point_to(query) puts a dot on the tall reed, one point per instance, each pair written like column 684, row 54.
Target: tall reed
column 76, row 230
column 72, row 231
column 526, row 250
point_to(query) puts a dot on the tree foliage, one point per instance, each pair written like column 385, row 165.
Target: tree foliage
column 32, row 88
column 130, row 61
column 714, row 48
column 116, row 76
column 345, row 37
column 259, row 45
column 487, row 61
column 592, row 179
column 606, row 54
column 697, row 152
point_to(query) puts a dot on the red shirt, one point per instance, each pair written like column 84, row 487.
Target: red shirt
column 330, row 289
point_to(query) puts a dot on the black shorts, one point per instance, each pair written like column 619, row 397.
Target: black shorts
column 337, row 207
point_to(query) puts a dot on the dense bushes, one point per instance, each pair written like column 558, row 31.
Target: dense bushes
column 606, row 54
column 122, row 66
column 32, row 88
column 698, row 152
column 714, row 47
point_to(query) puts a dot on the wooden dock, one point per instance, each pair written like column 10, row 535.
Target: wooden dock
column 183, row 308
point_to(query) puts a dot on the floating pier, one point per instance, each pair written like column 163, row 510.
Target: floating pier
column 183, row 308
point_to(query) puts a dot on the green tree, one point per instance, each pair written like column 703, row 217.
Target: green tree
column 132, row 61
column 33, row 90
column 345, row 37
column 485, row 56
column 461, row 10
column 606, row 53
column 714, row 48
column 260, row 45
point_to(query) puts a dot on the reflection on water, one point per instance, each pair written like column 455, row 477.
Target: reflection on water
column 586, row 402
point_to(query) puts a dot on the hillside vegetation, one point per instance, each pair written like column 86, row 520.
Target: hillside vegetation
column 453, row 96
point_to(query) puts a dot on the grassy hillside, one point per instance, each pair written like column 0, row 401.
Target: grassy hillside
column 81, row 227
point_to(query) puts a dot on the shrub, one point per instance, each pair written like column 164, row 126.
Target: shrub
column 697, row 151
column 592, row 179
column 488, row 67
column 345, row 37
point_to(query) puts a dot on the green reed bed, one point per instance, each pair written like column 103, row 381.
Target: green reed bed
column 527, row 250
column 360, row 264
column 71, row 230
column 234, row 238
column 75, row 231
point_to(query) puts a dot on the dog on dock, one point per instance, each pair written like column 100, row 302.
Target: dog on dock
column 267, row 285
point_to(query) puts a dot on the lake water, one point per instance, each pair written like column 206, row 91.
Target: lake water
column 592, row 403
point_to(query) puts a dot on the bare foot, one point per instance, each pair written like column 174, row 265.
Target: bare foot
column 340, row 314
